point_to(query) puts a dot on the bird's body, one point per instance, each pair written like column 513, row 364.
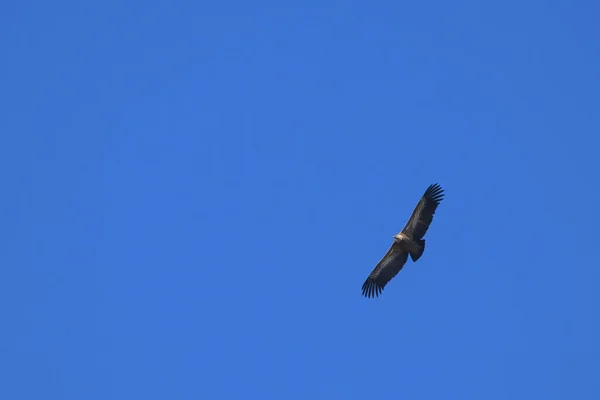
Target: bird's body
column 407, row 242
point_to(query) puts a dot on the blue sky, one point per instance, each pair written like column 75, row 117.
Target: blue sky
column 195, row 192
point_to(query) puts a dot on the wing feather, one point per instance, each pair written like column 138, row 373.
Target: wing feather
column 384, row 271
column 422, row 215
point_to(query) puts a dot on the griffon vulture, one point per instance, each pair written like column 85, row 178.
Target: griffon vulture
column 408, row 241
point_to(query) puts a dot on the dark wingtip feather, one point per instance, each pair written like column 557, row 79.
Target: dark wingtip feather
column 371, row 289
column 435, row 193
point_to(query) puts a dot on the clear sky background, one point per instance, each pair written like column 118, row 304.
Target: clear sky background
column 194, row 193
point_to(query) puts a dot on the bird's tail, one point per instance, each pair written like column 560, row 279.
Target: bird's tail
column 415, row 255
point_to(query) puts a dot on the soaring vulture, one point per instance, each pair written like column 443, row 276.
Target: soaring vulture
column 408, row 241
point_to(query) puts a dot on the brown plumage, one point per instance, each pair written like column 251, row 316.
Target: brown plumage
column 408, row 242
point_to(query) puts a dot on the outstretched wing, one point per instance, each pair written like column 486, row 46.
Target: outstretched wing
column 384, row 271
column 421, row 218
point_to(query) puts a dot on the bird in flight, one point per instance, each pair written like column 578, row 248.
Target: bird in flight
column 408, row 242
